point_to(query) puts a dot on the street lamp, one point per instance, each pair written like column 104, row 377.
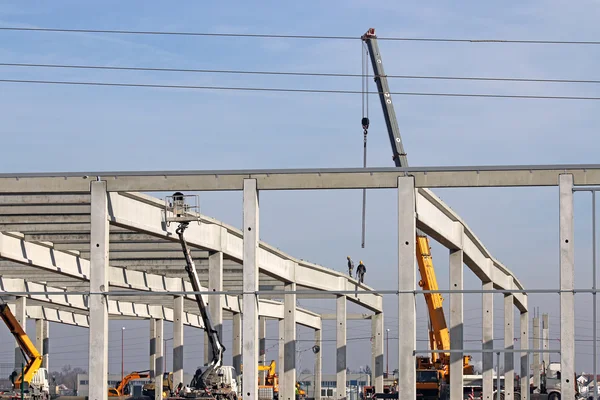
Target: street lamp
column 122, row 353
column 387, row 352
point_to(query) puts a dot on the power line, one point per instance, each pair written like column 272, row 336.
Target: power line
column 262, row 89
column 289, row 36
column 295, row 73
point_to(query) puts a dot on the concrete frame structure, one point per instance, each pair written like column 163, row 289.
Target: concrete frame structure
column 128, row 212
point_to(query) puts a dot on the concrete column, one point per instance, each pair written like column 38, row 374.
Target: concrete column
column 341, row 347
column 46, row 345
column 456, row 323
column 41, row 340
column 215, row 284
column 406, row 281
column 237, row 342
column 250, row 300
column 488, row 341
column 318, row 365
column 545, row 338
column 21, row 316
column 159, row 362
column 289, row 335
column 567, row 280
column 178, row 341
column 98, row 330
column 536, row 356
column 206, row 349
column 152, row 347
column 377, row 356
column 509, row 344
column 524, row 325
column 281, row 355
column 262, row 348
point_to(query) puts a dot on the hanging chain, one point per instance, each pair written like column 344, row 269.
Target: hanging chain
column 365, row 126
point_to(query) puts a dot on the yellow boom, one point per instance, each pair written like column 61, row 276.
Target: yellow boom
column 34, row 358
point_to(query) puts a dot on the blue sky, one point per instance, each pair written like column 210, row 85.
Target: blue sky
column 73, row 128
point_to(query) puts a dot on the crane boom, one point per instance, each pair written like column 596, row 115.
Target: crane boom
column 441, row 335
column 215, row 343
column 32, row 355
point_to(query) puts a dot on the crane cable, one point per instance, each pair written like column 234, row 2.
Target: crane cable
column 365, row 126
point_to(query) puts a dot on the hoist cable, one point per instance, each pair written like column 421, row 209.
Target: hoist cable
column 365, row 124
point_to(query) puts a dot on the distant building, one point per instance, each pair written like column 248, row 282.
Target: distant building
column 354, row 384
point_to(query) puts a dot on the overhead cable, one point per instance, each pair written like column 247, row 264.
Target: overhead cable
column 290, row 36
column 295, row 73
column 263, row 89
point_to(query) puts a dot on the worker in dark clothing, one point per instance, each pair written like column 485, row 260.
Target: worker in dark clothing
column 350, row 266
column 360, row 272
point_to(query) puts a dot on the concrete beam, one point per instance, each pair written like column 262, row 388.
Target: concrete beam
column 43, row 257
column 216, row 236
column 406, row 281
column 59, row 316
column 302, row 179
column 98, row 267
column 250, row 315
column 567, row 282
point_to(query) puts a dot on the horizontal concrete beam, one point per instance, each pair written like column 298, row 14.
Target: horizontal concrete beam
column 292, row 179
column 437, row 220
column 145, row 214
column 46, row 258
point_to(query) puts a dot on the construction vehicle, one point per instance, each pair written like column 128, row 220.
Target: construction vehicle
column 33, row 380
column 122, row 387
column 429, row 379
column 168, row 390
column 213, row 381
column 550, row 383
column 268, row 381
column 439, row 335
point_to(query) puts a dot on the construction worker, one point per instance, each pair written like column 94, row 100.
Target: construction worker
column 350, row 266
column 360, row 272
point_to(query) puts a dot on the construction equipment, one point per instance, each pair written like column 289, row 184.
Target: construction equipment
column 214, row 380
column 33, row 379
column 168, row 390
column 122, row 387
column 269, row 388
column 439, row 335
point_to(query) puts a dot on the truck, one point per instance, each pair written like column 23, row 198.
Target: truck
column 213, row 381
column 33, row 379
column 550, row 383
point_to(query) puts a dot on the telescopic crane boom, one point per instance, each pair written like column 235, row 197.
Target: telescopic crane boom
column 441, row 336
column 213, row 336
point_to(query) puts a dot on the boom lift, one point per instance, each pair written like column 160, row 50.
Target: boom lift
column 33, row 379
column 439, row 334
column 213, row 381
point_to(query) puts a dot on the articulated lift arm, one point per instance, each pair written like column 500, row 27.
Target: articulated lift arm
column 428, row 281
column 213, row 336
column 31, row 354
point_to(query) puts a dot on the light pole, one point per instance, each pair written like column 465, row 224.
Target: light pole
column 387, row 353
column 122, row 353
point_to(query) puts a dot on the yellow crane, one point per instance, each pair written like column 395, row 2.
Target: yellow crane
column 439, row 336
column 33, row 378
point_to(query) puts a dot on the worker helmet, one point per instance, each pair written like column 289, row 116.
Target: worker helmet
column 361, row 261
column 348, row 257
